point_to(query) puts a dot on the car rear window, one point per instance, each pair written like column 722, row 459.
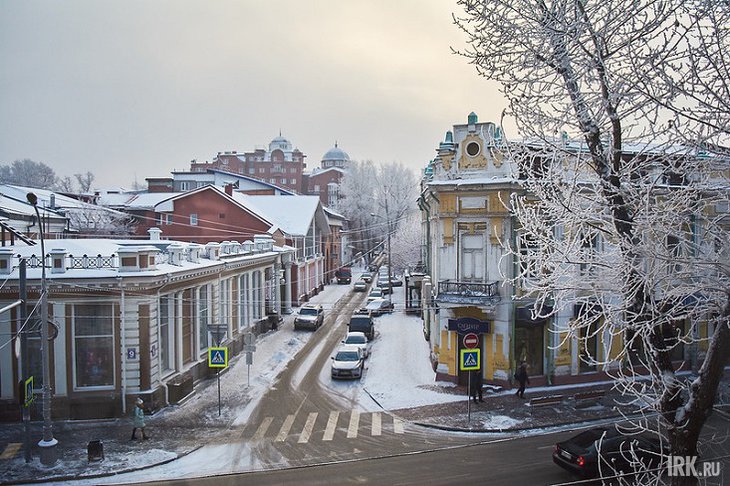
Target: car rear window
column 347, row 356
column 587, row 438
column 308, row 311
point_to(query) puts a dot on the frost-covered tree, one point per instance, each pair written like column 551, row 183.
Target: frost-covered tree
column 91, row 220
column 85, row 181
column 358, row 190
column 28, row 173
column 406, row 242
column 616, row 218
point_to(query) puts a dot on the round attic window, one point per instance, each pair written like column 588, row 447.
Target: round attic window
column 472, row 149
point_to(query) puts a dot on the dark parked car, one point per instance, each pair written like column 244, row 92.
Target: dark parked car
column 379, row 307
column 310, row 316
column 618, row 453
column 362, row 322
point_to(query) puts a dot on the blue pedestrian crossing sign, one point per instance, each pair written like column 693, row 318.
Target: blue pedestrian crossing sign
column 470, row 359
column 217, row 357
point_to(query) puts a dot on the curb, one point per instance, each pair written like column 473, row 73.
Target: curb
column 100, row 475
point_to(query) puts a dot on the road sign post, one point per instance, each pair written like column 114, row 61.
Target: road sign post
column 218, row 358
column 469, row 360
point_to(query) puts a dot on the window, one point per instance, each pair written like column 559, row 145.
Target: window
column 203, row 316
column 262, row 170
column 529, row 343
column 316, row 188
column 528, row 256
column 293, row 181
column 272, row 180
column 159, row 219
column 276, row 168
column 168, row 219
column 193, row 219
column 251, row 170
column 257, row 294
column 293, row 170
column 589, row 252
column 283, row 180
column 472, row 257
column 245, row 300
column 186, row 303
column 473, row 149
column 674, row 250
column 185, row 186
column 165, row 334
column 93, row 341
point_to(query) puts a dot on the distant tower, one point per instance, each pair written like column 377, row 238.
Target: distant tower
column 335, row 157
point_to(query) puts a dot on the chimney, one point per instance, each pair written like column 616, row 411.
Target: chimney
column 154, row 234
column 229, row 189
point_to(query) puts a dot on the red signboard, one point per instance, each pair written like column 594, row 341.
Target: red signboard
column 471, row 340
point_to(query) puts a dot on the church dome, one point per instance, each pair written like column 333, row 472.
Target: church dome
column 280, row 143
column 336, row 154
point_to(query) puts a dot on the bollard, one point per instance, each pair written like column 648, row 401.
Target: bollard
column 95, row 450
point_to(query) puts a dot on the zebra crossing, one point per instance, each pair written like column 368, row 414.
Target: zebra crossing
column 326, row 427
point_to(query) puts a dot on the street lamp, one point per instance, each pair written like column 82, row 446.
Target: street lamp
column 48, row 443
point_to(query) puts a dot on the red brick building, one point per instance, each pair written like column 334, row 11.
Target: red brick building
column 280, row 164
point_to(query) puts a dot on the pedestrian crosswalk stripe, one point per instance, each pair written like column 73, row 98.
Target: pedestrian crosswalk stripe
column 376, row 426
column 329, row 432
column 285, row 428
column 354, row 424
column 397, row 426
column 308, row 427
column 261, row 431
column 10, row 451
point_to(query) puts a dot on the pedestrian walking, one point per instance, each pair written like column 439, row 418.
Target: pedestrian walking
column 138, row 421
column 522, row 379
column 476, row 385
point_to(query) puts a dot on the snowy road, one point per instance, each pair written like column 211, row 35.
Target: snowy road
column 292, row 413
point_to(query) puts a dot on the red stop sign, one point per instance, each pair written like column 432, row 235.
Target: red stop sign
column 471, row 340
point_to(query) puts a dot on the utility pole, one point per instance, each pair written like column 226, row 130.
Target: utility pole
column 48, row 443
column 24, row 358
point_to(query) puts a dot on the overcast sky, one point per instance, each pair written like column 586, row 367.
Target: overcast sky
column 135, row 89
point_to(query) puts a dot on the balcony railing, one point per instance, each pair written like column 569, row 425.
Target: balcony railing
column 472, row 292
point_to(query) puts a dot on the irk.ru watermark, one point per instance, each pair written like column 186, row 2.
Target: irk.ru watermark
column 688, row 466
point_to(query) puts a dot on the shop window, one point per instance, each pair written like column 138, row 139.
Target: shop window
column 530, row 345
column 165, row 333
column 93, row 341
column 188, row 310
column 203, row 316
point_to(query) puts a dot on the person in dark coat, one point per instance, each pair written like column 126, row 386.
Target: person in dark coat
column 522, row 379
column 476, row 385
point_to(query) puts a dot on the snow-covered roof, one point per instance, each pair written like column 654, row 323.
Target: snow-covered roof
column 12, row 206
column 292, row 214
column 148, row 200
column 106, row 251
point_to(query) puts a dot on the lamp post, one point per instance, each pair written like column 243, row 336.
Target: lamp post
column 387, row 218
column 48, row 443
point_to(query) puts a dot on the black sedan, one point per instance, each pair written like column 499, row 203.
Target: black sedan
column 606, row 452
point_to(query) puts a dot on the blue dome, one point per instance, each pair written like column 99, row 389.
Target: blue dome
column 335, row 154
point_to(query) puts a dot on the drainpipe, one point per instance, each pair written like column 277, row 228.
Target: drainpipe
column 124, row 351
column 513, row 242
